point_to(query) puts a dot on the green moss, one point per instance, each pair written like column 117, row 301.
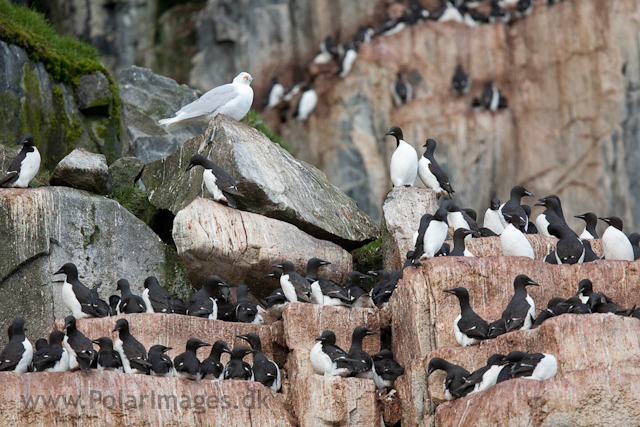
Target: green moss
column 136, row 201
column 175, row 278
column 368, row 257
column 253, row 119
column 73, row 131
column 65, row 58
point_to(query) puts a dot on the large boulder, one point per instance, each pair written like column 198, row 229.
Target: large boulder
column 401, row 213
column 113, row 398
column 34, row 102
column 44, row 228
column 146, row 98
column 83, row 170
column 123, row 173
column 241, row 247
column 273, row 182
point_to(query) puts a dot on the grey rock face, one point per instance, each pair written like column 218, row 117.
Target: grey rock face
column 146, row 98
column 402, row 211
column 32, row 102
column 123, row 173
column 44, row 228
column 241, row 247
column 273, row 182
column 93, row 92
column 82, row 170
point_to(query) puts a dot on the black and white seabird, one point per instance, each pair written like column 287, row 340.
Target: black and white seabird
column 178, row 306
column 363, row 35
column 275, row 94
column 391, row 27
column 24, row 167
column 472, row 17
column 79, row 347
column 569, row 249
column 456, row 376
column 585, row 289
column 615, row 243
column 430, row 172
column 129, row 302
column 348, row 59
column 497, row 328
column 358, row 296
column 418, row 237
column 265, row 371
column 589, row 255
column 212, row 367
column 492, row 217
column 41, row 346
column 328, row 50
column 226, row 309
column 307, row 103
column 328, row 292
column 459, row 218
column 328, row 359
column 101, row 307
column 386, row 370
column 435, row 234
column 312, row 268
column 187, row 364
column 459, row 248
column 276, row 301
column 18, row 354
column 591, row 221
column 521, row 310
column 555, row 307
column 490, row 96
column 107, row 358
column 404, row 161
column 161, row 364
column 513, row 241
column 401, row 90
column 55, row 357
column 295, row 287
column 531, row 227
column 513, row 207
column 132, row 352
column 550, row 215
column 220, row 184
column 532, row 366
column 484, row 377
column 468, row 327
column 114, row 301
column 237, row 369
column 460, row 82
column 155, row 297
column 634, row 238
column 599, row 303
column 363, row 363
column 203, row 303
column 498, row 14
column 382, row 291
column 246, row 310
column 75, row 295
column 446, row 12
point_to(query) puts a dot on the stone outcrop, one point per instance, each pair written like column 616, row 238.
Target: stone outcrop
column 241, row 247
column 174, row 330
column 123, row 173
column 33, row 102
column 83, row 170
column 402, row 211
column 112, row 398
column 583, row 398
column 146, row 98
column 47, row 227
column 274, row 183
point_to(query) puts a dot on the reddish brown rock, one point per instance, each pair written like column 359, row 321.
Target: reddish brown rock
column 423, row 315
column 111, row 398
column 173, row 330
column 402, row 210
column 582, row 398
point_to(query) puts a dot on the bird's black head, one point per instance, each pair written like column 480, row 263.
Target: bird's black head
column 240, row 352
column 585, row 287
column 516, row 356
column 151, row 281
column 56, row 337
column 523, row 281
column 327, row 337
column 382, row 355
column 461, row 293
column 495, row 204
column 221, row 347
column 396, row 132
column 314, row 263
column 69, row 322
column 27, row 140
column 461, row 233
column 430, row 145
column 159, row 349
column 496, row 359
column 519, row 192
column 253, row 340
column 555, row 301
column 613, row 221
column 69, row 269
column 441, row 215
column 287, row 267
column 194, row 344
column 104, row 342
column 122, row 325
column 596, row 298
column 123, row 285
column 381, row 275
column 437, row 363
column 197, row 160
column 513, row 219
column 362, row 331
column 276, row 273
column 555, row 230
column 355, row 277
column 212, row 284
column 41, row 343
column 114, row 300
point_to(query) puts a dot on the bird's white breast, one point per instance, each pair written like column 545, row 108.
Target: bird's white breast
column 288, row 289
column 277, row 92
column 404, row 165
column 320, row 360
column 427, row 178
column 28, row 169
column 308, row 102
column 119, row 347
column 586, row 235
column 514, row 243
column 147, row 301
column 492, row 221
column 531, row 314
column 210, row 182
column 27, row 357
column 316, row 293
column 71, row 301
column 545, row 369
column 489, row 378
column 616, row 245
column 347, row 62
column 434, row 237
column 542, row 224
column 462, row 338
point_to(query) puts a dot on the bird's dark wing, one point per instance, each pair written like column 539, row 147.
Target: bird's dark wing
column 441, row 176
column 474, row 326
column 225, row 182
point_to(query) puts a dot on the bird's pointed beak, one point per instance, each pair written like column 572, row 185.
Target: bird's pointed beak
column 270, row 275
column 540, row 203
column 449, row 291
column 528, row 193
column 204, row 344
column 96, row 342
column 604, row 220
column 319, row 339
column 325, row 263
column 191, row 165
column 242, row 337
column 532, row 283
column 61, row 271
column 579, row 216
column 430, row 372
column 388, row 133
column 168, row 348
column 371, row 333
column 276, row 266
column 116, row 329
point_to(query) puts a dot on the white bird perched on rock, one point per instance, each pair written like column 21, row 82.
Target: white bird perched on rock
column 233, row 100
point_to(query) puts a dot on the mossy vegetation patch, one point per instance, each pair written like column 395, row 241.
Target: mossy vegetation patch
column 136, row 201
column 253, row 119
column 368, row 257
